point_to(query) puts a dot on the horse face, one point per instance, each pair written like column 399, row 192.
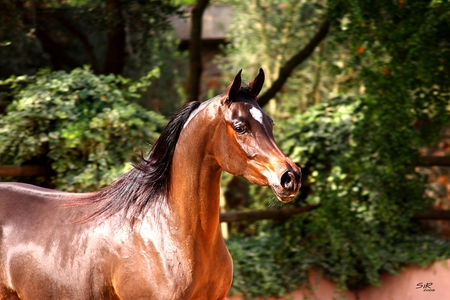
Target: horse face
column 249, row 148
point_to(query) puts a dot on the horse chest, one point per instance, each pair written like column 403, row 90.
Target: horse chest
column 178, row 269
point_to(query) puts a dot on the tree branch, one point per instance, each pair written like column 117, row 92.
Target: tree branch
column 291, row 64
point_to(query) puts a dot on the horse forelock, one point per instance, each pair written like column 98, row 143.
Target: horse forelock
column 246, row 93
column 148, row 182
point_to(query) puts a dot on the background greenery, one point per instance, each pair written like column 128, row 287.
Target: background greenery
column 384, row 70
column 82, row 125
column 353, row 116
column 364, row 226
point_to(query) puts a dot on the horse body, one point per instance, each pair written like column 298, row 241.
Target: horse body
column 125, row 242
column 43, row 256
column 103, row 259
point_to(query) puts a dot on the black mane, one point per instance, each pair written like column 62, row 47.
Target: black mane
column 149, row 181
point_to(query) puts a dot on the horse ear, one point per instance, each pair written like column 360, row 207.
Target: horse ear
column 233, row 88
column 256, row 85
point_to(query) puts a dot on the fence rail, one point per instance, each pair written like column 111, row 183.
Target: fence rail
column 283, row 214
column 439, row 161
column 268, row 214
column 25, row 170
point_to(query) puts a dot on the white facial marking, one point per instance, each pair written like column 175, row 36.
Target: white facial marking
column 257, row 114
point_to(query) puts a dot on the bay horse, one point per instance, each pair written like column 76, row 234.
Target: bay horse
column 154, row 232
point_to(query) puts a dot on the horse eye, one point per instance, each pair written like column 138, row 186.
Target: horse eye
column 240, row 128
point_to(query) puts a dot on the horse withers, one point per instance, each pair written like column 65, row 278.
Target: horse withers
column 154, row 232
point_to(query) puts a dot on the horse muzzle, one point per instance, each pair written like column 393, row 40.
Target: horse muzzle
column 289, row 184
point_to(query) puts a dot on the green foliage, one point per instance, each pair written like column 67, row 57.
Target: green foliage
column 184, row 2
column 81, row 124
column 363, row 227
column 359, row 152
column 367, row 201
column 166, row 93
column 269, row 264
column 70, row 34
column 271, row 35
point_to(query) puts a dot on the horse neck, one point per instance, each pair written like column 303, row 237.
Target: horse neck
column 195, row 183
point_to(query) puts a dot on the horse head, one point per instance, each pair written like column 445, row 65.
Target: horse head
column 246, row 131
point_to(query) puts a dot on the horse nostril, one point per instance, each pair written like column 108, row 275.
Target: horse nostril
column 288, row 180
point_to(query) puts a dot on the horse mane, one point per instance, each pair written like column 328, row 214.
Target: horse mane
column 148, row 182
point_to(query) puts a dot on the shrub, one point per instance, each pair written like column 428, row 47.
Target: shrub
column 81, row 124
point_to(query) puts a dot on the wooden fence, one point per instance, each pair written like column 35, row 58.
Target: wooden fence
column 27, row 170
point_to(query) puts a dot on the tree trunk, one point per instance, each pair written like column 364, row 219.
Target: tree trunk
column 88, row 47
column 195, row 46
column 59, row 58
column 115, row 55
